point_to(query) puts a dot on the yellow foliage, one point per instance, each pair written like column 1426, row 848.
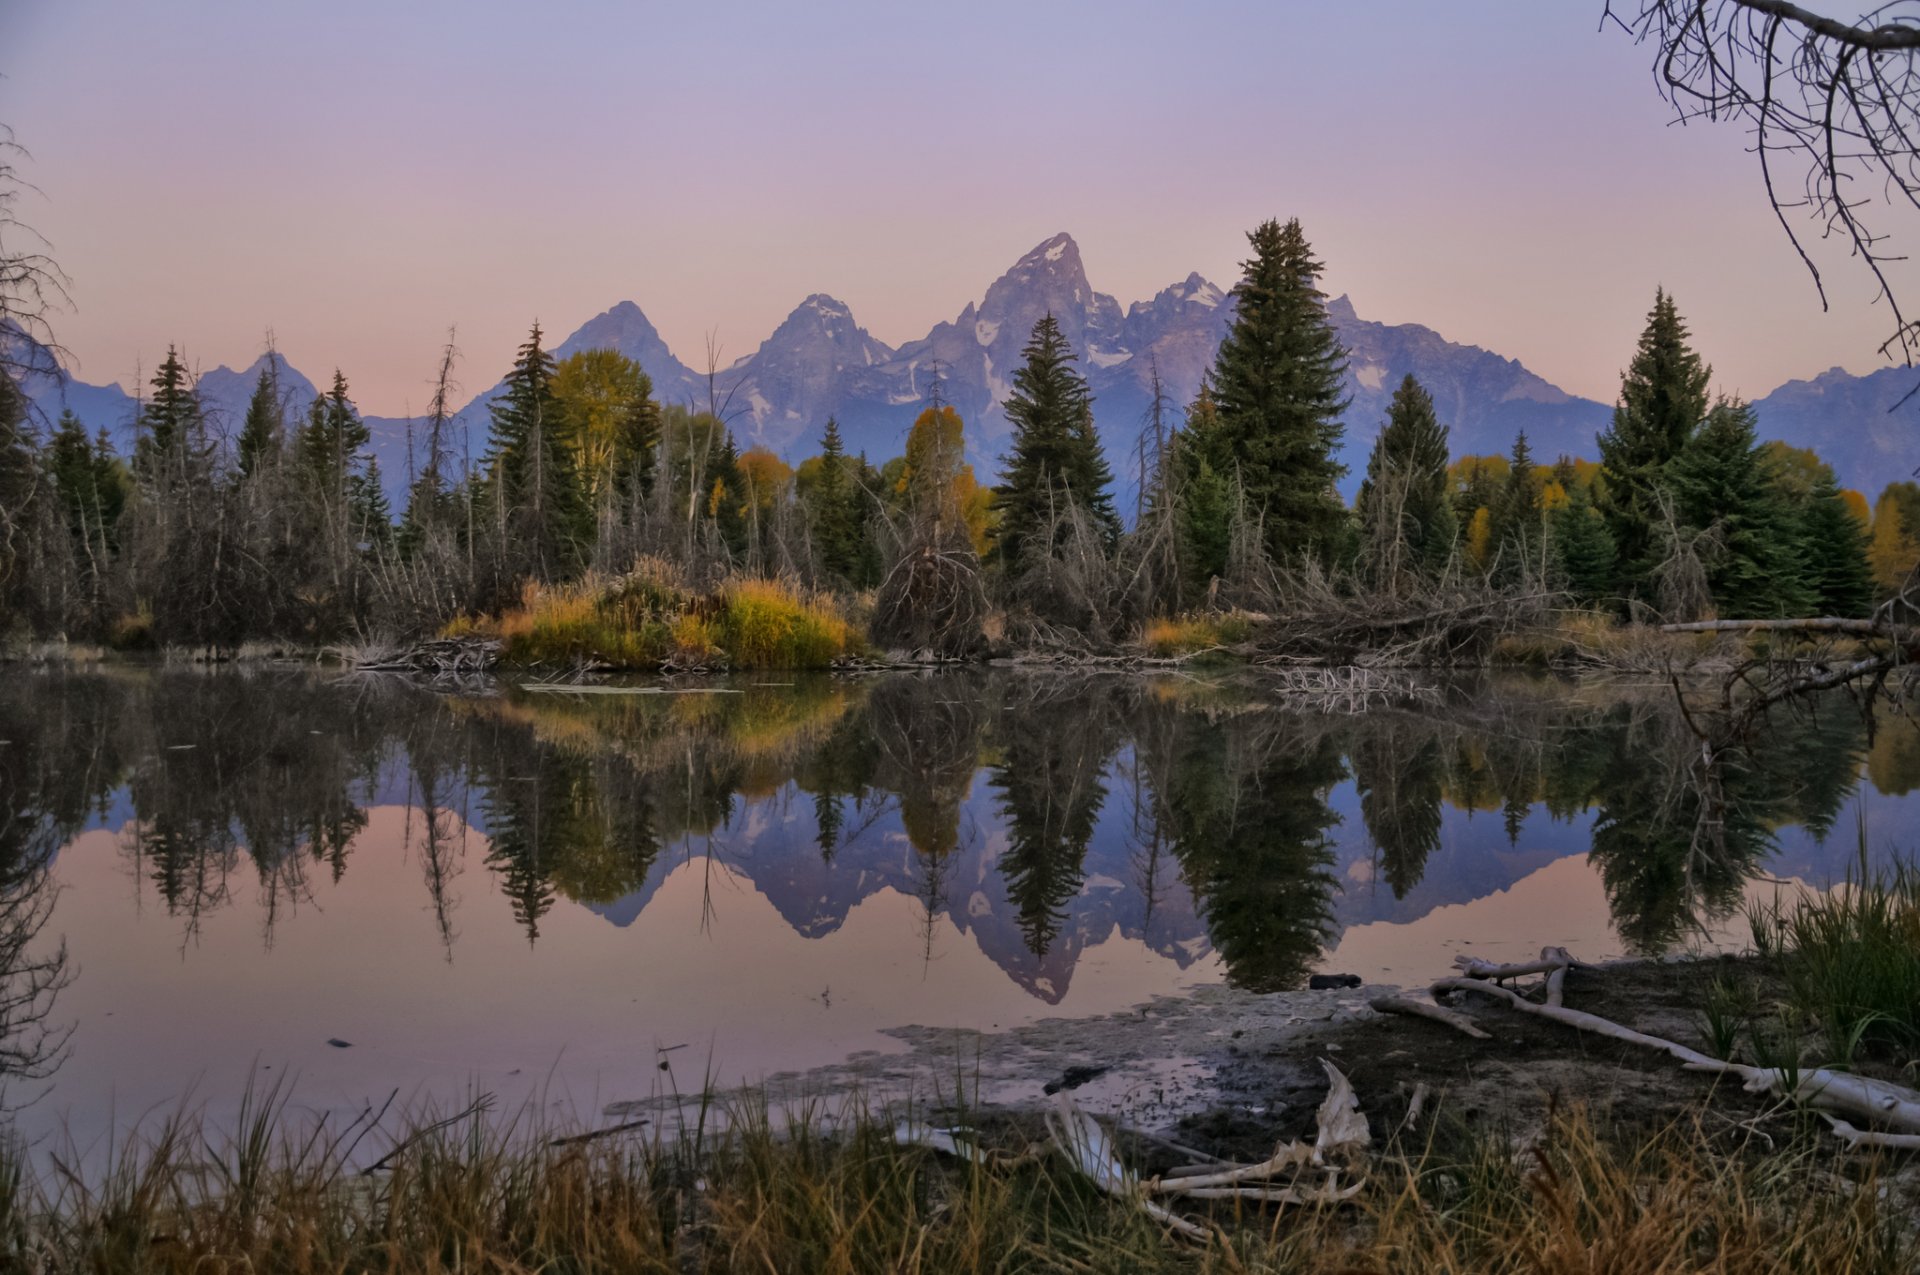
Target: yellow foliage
column 1165, row 638
column 596, row 391
column 768, row 624
column 1480, row 537
column 1856, row 503
column 765, row 476
column 1894, row 550
column 1552, row 496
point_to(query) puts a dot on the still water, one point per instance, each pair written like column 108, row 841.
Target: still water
column 370, row 885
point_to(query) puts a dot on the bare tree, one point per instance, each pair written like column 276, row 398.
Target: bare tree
column 1831, row 105
column 32, row 286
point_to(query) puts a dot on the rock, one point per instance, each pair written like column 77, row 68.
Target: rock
column 1327, row 982
column 1073, row 1078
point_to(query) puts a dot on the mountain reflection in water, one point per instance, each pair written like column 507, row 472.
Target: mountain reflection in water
column 1177, row 825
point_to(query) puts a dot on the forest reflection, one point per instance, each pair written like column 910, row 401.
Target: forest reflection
column 1197, row 816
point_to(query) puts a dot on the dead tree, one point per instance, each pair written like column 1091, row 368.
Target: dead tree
column 1831, row 106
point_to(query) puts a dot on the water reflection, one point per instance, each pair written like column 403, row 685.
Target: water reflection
column 1035, row 815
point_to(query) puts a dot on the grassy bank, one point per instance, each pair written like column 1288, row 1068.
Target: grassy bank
column 474, row 1194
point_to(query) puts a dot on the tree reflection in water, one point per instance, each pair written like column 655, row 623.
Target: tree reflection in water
column 1179, row 812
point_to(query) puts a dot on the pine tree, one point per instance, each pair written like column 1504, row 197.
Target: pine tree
column 92, row 486
column 533, row 479
column 171, row 426
column 1404, row 506
column 1833, row 552
column 1720, row 480
column 1056, row 456
column 1583, row 554
column 1516, row 514
column 1204, row 497
column 1277, row 382
column 833, row 508
column 332, row 445
column 1663, row 400
column 260, row 434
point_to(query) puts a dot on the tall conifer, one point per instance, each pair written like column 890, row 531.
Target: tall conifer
column 1278, row 385
column 1663, row 400
column 1056, row 456
column 1406, row 486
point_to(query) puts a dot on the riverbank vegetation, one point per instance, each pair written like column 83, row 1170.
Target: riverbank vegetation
column 556, row 527
column 741, row 1184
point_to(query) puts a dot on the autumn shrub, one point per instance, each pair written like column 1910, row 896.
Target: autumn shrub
column 1188, row 635
column 767, row 624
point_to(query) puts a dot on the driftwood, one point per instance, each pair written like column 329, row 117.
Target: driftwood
column 1427, row 1009
column 1813, row 624
column 1833, row 1093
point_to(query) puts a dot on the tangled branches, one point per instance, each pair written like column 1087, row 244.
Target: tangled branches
column 1453, row 622
column 1835, row 98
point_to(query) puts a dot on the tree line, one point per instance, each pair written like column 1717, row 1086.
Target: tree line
column 281, row 530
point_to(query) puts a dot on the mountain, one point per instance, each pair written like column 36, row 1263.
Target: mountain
column 820, row 362
column 1858, row 424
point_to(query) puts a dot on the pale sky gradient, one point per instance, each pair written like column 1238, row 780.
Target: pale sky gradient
column 357, row 176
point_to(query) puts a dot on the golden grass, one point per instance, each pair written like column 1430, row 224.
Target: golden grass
column 750, row 1189
column 648, row 617
column 1168, row 638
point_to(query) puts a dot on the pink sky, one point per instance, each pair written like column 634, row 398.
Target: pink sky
column 358, row 176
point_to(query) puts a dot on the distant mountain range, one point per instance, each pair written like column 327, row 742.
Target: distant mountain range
column 820, row 362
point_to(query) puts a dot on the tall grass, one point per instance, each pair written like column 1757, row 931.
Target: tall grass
column 1192, row 634
column 753, row 1188
column 1851, row 956
column 647, row 618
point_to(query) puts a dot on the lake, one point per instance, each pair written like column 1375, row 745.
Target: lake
column 370, row 885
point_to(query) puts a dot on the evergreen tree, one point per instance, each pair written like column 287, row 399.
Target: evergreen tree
column 171, row 426
column 260, row 433
column 1404, row 506
column 1277, row 383
column 1663, row 400
column 1833, row 552
column 1583, row 553
column 1056, row 456
column 833, row 501
column 1720, row 480
column 534, row 481
column 1516, row 513
column 1203, row 495
column 92, row 486
column 332, row 446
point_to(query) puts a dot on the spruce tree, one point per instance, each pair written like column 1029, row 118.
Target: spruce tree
column 1583, row 553
column 833, row 508
column 1406, row 485
column 1516, row 513
column 1719, row 480
column 1056, row 456
column 260, row 434
column 332, row 445
column 1663, row 400
column 91, row 484
column 1277, row 383
column 1203, row 495
column 534, row 481
column 171, row 426
column 1833, row 552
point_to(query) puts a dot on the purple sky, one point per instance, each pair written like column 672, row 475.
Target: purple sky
column 357, row 176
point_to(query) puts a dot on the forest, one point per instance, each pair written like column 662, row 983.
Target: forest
column 595, row 526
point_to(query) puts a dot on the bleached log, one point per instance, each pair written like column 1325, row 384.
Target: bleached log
column 1812, row 624
column 1872, row 1138
column 1820, row 1088
column 1474, row 967
column 1426, row 1009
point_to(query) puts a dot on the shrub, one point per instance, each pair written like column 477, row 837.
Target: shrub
column 768, row 625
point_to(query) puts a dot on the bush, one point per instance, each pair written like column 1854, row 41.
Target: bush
column 646, row 617
column 1187, row 635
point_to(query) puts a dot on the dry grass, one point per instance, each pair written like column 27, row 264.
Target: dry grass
column 748, row 1188
column 648, row 618
column 1190, row 634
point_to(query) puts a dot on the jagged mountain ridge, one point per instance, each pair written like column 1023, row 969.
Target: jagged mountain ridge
column 820, row 362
